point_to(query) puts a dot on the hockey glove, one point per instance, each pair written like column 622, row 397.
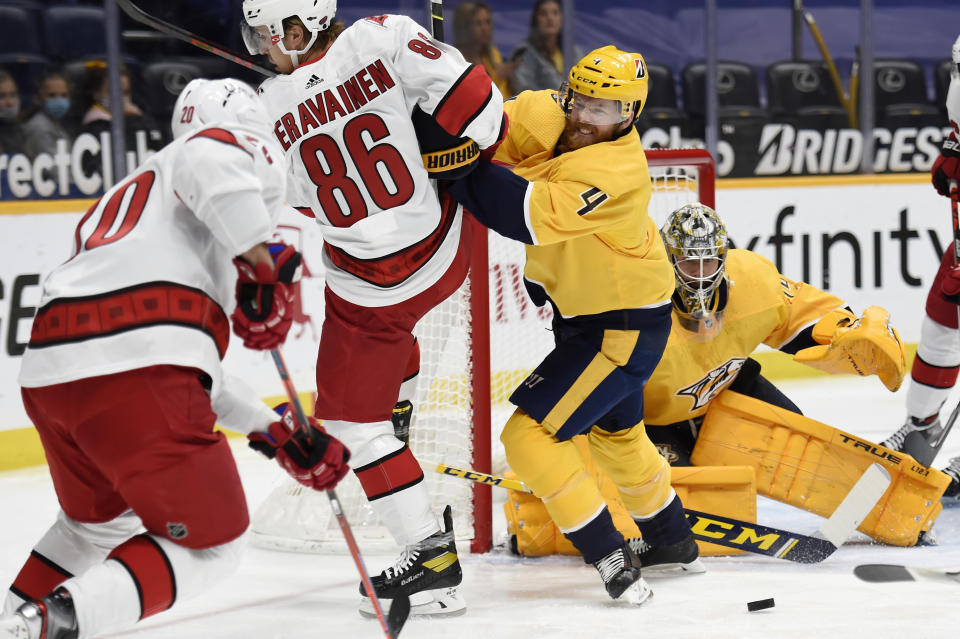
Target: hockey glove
column 317, row 460
column 947, row 166
column 863, row 346
column 446, row 157
column 266, row 297
column 950, row 284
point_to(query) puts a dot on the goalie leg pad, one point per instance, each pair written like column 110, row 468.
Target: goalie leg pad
column 813, row 466
column 553, row 469
column 726, row 490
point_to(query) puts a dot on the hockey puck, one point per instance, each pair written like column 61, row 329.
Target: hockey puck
column 760, row 604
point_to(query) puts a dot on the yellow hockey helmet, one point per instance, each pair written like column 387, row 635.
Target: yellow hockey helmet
column 611, row 74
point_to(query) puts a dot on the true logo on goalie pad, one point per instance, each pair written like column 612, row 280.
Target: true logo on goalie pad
column 704, row 390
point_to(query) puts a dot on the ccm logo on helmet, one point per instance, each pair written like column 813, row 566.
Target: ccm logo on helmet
column 580, row 78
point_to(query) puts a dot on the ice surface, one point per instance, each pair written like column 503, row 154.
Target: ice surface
column 279, row 595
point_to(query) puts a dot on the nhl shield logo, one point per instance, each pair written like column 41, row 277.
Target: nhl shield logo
column 176, row 530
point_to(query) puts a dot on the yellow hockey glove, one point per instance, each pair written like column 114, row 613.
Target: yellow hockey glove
column 862, row 346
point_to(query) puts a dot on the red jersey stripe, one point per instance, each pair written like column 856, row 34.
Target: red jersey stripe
column 389, row 474
column 151, row 571
column 464, row 101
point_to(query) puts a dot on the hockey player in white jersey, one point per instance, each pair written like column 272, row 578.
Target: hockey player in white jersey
column 123, row 381
column 937, row 362
column 343, row 111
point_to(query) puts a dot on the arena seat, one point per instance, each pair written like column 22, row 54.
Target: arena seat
column 163, row 80
column 740, row 115
column 941, row 83
column 661, row 109
column 801, row 93
column 27, row 69
column 20, row 31
column 72, row 32
column 900, row 95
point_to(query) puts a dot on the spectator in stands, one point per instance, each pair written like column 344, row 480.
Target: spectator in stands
column 11, row 131
column 473, row 35
column 540, row 56
column 94, row 96
column 48, row 123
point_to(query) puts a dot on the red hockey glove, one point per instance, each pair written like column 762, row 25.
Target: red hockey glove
column 950, row 284
column 318, row 461
column 265, row 298
column 947, row 166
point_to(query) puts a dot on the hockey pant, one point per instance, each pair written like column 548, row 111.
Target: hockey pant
column 115, row 575
column 390, row 476
column 937, row 360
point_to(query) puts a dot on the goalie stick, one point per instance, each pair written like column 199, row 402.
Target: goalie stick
column 884, row 573
column 756, row 538
column 400, row 608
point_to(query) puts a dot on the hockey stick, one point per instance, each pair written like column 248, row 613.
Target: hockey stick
column 884, row 573
column 848, row 106
column 183, row 35
column 400, row 608
column 435, row 16
column 756, row 538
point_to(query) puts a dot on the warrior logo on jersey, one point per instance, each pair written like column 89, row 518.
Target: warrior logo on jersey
column 637, row 62
column 704, row 390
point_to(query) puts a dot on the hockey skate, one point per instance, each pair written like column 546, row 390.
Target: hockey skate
column 52, row 617
column 428, row 572
column 620, row 571
column 952, row 494
column 921, row 438
column 681, row 558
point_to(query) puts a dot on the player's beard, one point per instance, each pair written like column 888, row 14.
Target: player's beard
column 577, row 135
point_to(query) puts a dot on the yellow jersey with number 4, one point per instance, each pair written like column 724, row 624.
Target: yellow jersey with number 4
column 595, row 248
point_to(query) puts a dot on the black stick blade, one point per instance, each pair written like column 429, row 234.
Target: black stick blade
column 399, row 611
column 881, row 573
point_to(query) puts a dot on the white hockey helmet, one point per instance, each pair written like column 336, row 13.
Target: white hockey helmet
column 263, row 22
column 205, row 102
column 956, row 55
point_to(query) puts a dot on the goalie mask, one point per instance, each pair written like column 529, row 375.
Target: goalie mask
column 228, row 101
column 696, row 241
column 263, row 22
column 608, row 86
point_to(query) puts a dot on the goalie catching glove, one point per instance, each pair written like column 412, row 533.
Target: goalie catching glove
column 864, row 346
column 317, row 460
column 265, row 298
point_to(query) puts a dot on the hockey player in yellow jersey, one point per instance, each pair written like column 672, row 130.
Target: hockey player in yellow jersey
column 578, row 198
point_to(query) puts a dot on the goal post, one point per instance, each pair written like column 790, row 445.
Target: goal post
column 476, row 347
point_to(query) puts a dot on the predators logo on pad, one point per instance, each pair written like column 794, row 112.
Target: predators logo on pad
column 705, row 389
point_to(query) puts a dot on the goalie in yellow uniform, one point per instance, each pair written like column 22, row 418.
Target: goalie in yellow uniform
column 595, row 255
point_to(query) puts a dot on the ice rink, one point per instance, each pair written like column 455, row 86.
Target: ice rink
column 280, row 595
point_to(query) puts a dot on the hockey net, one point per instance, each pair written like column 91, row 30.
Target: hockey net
column 476, row 347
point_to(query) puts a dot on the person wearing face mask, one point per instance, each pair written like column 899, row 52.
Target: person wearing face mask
column 48, row 124
column 540, row 56
column 97, row 112
column 11, row 131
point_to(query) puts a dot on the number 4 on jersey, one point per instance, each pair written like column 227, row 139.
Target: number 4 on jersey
column 592, row 198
